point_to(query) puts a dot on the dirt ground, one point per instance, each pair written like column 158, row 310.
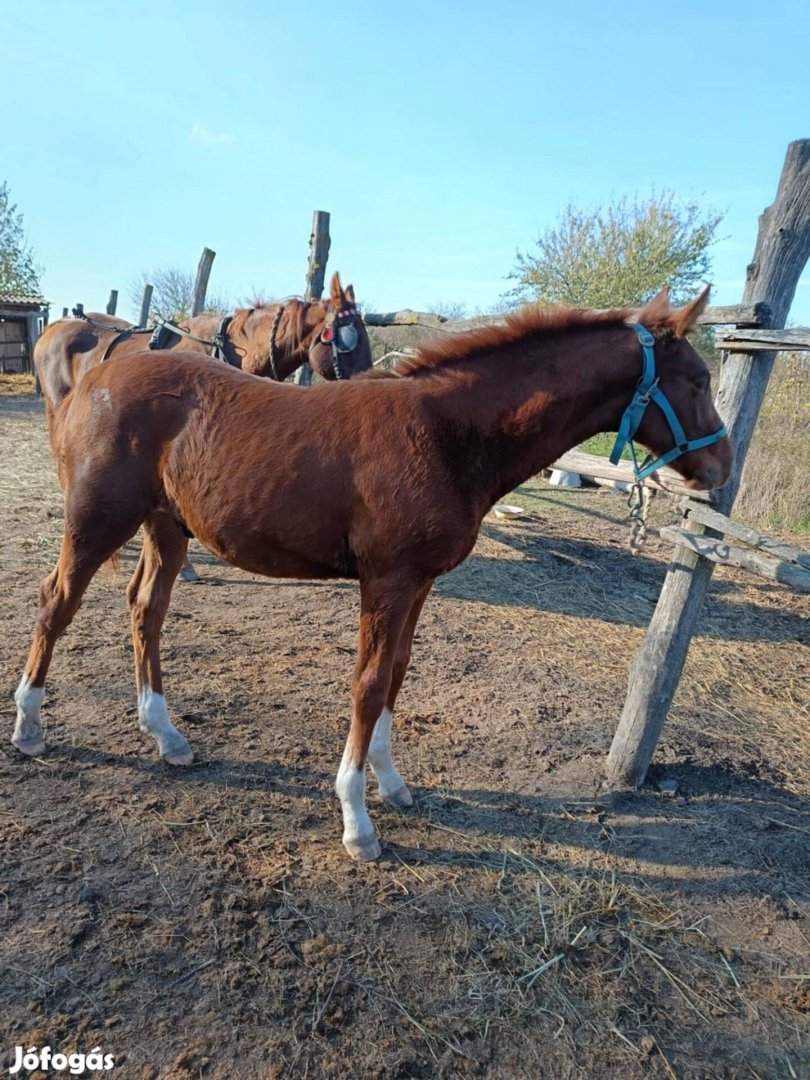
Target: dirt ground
column 522, row 921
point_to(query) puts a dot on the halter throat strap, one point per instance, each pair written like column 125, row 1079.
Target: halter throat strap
column 647, row 391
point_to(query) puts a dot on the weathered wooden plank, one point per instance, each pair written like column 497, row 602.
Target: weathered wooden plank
column 722, row 524
column 794, row 340
column 146, row 303
column 577, row 461
column 781, row 252
column 406, row 317
column 201, row 282
column 319, row 244
column 756, row 314
column 112, row 303
column 720, row 551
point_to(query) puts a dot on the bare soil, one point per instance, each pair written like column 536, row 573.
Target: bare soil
column 522, row 922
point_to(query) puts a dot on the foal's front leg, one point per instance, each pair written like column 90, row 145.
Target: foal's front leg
column 384, row 608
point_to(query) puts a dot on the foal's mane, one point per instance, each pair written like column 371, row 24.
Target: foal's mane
column 526, row 325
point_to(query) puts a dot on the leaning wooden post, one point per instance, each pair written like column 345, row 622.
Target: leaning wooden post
column 201, row 284
column 782, row 250
column 146, row 303
column 112, row 303
column 316, row 274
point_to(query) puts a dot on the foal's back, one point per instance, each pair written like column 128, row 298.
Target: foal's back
column 278, row 479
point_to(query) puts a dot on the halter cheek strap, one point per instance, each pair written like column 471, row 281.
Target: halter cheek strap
column 647, row 391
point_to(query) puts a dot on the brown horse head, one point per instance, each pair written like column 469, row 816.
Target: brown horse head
column 683, row 379
column 341, row 348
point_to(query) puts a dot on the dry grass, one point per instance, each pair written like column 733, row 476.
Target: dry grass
column 552, row 953
column 16, row 384
column 775, row 492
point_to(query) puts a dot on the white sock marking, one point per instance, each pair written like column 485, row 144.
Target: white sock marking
column 379, row 756
column 153, row 718
column 350, row 786
column 28, row 729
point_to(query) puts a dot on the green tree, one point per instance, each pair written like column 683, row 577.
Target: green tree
column 618, row 254
column 18, row 271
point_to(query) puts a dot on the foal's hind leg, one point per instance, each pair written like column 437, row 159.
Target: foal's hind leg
column 385, row 607
column 393, row 788
column 59, row 600
column 149, row 592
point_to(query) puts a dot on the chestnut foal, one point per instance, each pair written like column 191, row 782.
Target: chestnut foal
column 384, row 479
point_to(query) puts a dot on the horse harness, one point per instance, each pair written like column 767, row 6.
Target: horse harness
column 339, row 332
column 221, row 346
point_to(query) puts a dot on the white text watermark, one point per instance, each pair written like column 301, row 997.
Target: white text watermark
column 46, row 1060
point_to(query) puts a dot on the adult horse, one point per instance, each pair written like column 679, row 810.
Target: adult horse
column 381, row 479
column 269, row 340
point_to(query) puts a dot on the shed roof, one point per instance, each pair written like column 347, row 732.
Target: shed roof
column 8, row 299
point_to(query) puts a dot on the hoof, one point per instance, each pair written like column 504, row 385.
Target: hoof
column 179, row 757
column 400, row 799
column 363, row 850
column 188, row 573
column 30, row 747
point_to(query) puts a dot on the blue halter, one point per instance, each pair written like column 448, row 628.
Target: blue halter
column 647, row 391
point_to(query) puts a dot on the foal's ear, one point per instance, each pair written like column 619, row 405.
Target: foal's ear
column 336, row 290
column 349, row 293
column 656, row 311
column 687, row 317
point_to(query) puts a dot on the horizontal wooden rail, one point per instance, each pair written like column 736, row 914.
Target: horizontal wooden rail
column 705, row 515
column 719, row 551
column 731, row 315
column 795, row 340
column 577, row 461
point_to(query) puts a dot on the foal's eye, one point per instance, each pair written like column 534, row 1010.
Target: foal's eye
column 701, row 382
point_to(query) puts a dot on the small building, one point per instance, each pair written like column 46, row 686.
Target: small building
column 22, row 320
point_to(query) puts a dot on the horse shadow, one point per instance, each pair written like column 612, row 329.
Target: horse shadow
column 608, row 583
column 729, row 835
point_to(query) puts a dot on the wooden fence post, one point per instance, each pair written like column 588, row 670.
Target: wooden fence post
column 112, row 303
column 782, row 250
column 201, row 284
column 319, row 243
column 146, row 303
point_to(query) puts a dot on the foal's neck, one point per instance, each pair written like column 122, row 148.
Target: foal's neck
column 514, row 414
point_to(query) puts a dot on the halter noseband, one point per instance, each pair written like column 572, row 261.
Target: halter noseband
column 647, row 391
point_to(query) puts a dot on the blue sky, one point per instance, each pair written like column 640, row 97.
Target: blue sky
column 440, row 136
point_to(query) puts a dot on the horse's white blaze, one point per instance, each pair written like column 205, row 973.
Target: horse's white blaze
column 379, row 756
column 350, row 786
column 153, row 718
column 28, row 728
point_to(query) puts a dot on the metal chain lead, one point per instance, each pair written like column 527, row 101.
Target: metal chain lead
column 639, row 501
